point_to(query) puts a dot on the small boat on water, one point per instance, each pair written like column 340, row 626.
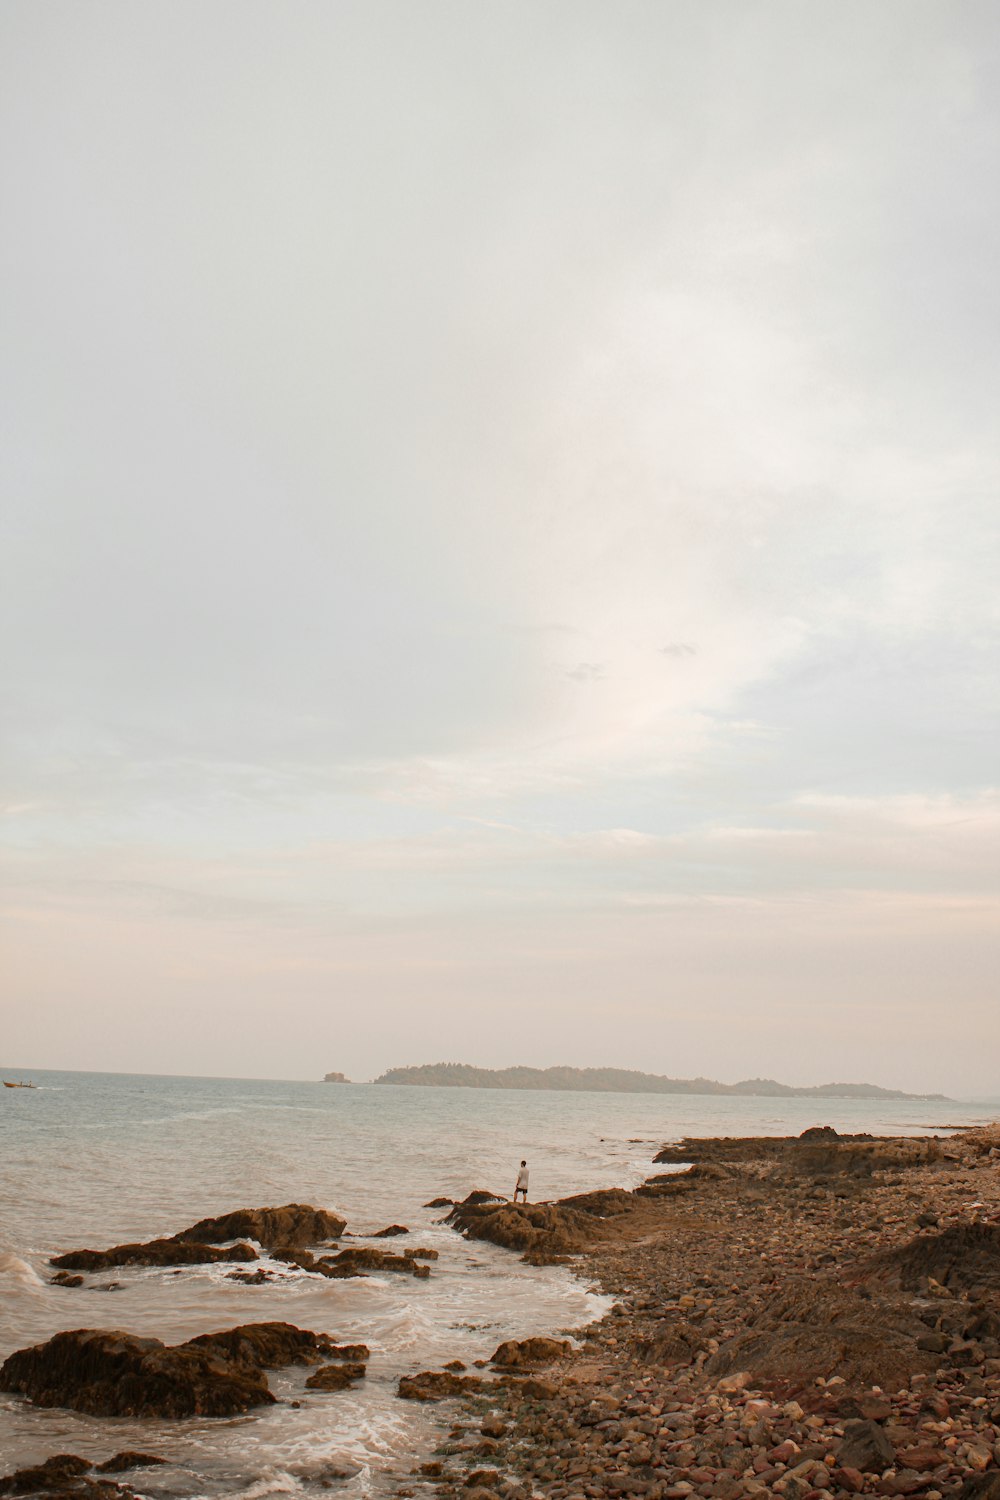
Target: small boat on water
column 19, row 1085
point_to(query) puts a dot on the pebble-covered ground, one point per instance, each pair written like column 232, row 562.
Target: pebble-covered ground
column 797, row 1324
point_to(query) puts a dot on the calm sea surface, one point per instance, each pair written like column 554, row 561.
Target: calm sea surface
column 91, row 1159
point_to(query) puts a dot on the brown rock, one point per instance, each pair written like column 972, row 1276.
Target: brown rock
column 865, row 1446
column 294, row 1225
column 127, row 1459
column 357, row 1260
column 112, row 1374
column 152, row 1253
column 518, row 1353
column 335, row 1377
column 390, row 1231
column 436, row 1385
column 266, row 1346
column 53, row 1473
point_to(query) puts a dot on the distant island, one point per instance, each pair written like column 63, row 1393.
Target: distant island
column 626, row 1081
column 335, row 1078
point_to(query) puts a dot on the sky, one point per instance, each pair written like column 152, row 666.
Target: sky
column 500, row 537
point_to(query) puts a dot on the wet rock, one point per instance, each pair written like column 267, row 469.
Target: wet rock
column 54, row 1473
column 358, row 1260
column 127, row 1459
column 151, row 1253
column 440, row 1203
column 865, row 1447
column 63, row 1278
column 266, row 1346
column 293, row 1226
column 357, row 1352
column 335, row 1377
column 437, row 1385
column 518, row 1353
column 390, row 1231
column 114, row 1374
column 251, row 1278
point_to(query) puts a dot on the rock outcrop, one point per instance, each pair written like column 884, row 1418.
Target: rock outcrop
column 293, row 1226
column 114, row 1374
column 964, row 1257
column 360, row 1259
column 807, row 1330
column 543, row 1232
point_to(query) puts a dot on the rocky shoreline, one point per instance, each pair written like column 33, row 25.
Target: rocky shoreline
column 807, row 1318
column 810, row 1318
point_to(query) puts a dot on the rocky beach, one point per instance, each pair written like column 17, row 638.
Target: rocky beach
column 809, row 1317
column 798, row 1314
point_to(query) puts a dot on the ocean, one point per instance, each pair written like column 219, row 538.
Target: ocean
column 97, row 1159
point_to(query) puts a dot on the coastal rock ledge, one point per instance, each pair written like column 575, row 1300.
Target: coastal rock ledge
column 108, row 1373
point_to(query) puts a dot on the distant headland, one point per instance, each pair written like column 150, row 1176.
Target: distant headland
column 624, row 1081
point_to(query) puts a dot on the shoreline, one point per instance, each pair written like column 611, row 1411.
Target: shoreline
column 778, row 1329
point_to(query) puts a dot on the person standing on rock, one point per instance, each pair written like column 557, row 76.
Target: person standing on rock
column 522, row 1182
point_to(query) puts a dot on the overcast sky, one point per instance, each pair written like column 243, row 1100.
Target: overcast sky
column 501, row 536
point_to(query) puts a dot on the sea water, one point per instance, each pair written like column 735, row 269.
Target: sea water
column 95, row 1160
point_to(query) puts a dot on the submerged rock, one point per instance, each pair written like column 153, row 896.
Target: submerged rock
column 358, row 1260
column 390, row 1231
column 291, row 1227
column 127, row 1459
column 53, row 1474
column 152, row 1253
column 335, row 1377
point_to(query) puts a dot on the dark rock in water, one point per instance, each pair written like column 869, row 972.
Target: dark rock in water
column 359, row 1353
column 294, row 1225
column 390, row 1231
column 114, row 1374
column 266, row 1346
column 304, row 1259
column 418, row 1253
column 63, row 1278
column 807, row 1329
column 152, row 1253
column 357, row 1261
column 335, row 1377
column 865, row 1447
column 54, row 1473
column 519, row 1353
column 962, row 1257
column 440, row 1203
column 251, row 1278
column 127, row 1460
column 437, row 1385
column 819, row 1133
